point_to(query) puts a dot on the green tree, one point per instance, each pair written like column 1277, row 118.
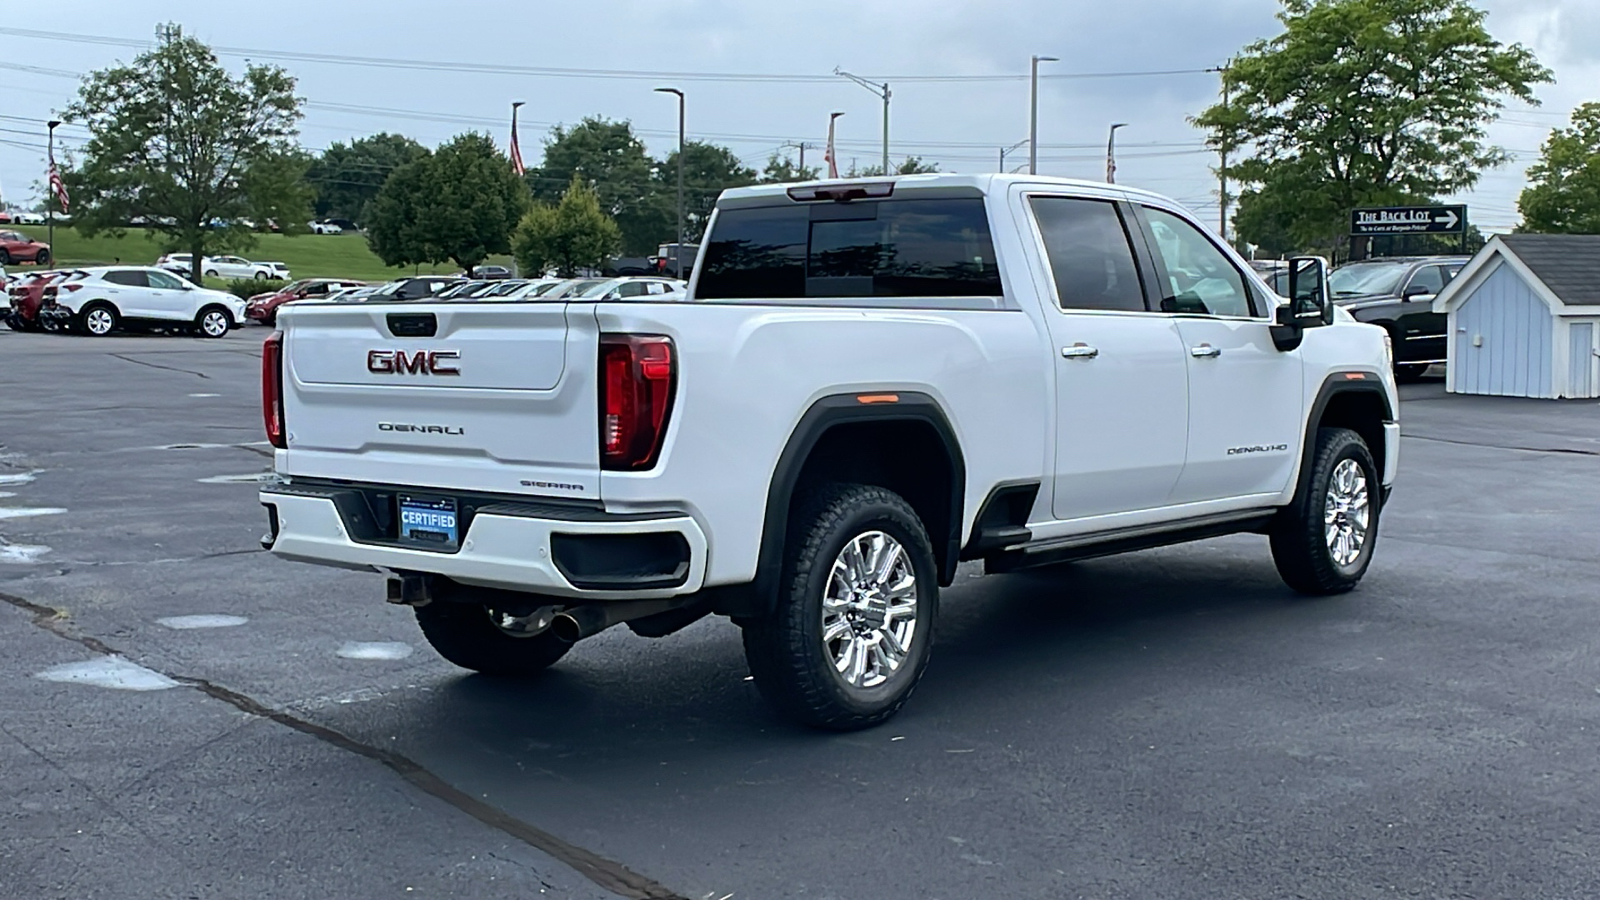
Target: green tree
column 1365, row 102
column 911, row 165
column 459, row 203
column 567, row 236
column 182, row 144
column 347, row 176
column 1564, row 193
column 708, row 170
column 613, row 161
column 784, row 169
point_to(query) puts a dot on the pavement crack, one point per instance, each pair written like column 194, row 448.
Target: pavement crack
column 1439, row 440
column 140, row 362
column 605, row 873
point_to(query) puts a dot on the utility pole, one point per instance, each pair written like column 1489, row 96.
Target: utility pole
column 1222, row 152
column 1033, row 113
column 801, row 146
column 677, row 253
column 1111, row 152
column 881, row 90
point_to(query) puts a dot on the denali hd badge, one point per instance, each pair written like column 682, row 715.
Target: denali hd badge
column 422, row 362
column 1274, row 448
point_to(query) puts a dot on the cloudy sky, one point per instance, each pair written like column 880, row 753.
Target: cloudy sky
column 713, row 48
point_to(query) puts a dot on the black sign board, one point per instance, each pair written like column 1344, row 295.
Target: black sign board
column 1410, row 220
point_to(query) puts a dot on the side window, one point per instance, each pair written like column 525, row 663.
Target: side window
column 314, row 290
column 1090, row 255
column 1450, row 272
column 162, row 280
column 655, row 287
column 1200, row 277
column 126, row 278
column 1427, row 280
column 631, row 289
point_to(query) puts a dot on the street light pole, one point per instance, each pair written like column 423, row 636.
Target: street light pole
column 1033, row 113
column 50, row 200
column 1006, row 150
column 677, row 255
column 1111, row 152
column 881, row 90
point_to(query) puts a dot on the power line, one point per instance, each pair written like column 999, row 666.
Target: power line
column 569, row 72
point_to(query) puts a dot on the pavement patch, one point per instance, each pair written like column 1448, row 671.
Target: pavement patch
column 188, row 623
column 112, row 672
column 375, row 650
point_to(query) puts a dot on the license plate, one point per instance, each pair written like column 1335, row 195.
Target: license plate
column 428, row 521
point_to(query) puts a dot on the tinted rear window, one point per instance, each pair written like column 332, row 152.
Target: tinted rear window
column 887, row 248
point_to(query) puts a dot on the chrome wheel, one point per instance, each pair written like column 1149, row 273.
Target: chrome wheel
column 1346, row 512
column 869, row 609
column 99, row 321
column 214, row 323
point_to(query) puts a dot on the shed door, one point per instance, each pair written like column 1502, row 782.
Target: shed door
column 1584, row 359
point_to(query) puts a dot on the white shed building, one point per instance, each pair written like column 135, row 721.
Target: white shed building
column 1524, row 318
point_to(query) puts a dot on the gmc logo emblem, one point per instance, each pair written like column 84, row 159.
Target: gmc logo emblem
column 422, row 362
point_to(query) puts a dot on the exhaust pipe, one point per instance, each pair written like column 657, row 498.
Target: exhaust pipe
column 575, row 623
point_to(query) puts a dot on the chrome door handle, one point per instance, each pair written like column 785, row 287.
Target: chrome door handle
column 1080, row 350
column 1205, row 351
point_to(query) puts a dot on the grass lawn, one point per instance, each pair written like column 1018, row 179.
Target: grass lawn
column 308, row 255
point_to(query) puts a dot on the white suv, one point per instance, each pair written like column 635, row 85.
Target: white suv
column 99, row 301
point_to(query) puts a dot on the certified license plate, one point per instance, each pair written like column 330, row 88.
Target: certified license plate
column 428, row 521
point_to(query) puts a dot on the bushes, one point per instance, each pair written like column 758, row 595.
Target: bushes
column 245, row 288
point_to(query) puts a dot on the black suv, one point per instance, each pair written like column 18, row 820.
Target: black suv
column 1397, row 293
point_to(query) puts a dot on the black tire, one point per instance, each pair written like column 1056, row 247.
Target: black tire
column 1300, row 543
column 211, row 273
column 15, row 323
column 261, row 276
column 1408, row 372
column 43, row 258
column 463, row 634
column 97, row 319
column 5, row 257
column 204, row 322
column 792, row 665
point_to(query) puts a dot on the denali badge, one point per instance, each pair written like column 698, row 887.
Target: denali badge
column 422, row 429
column 422, row 362
column 1274, row 448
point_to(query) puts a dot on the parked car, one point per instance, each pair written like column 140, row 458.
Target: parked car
column 280, row 270
column 1275, row 272
column 26, row 295
column 488, row 273
column 23, row 217
column 418, row 287
column 676, row 260
column 630, row 287
column 263, row 308
column 344, row 224
column 1397, row 294
column 16, row 247
column 572, row 287
column 101, row 300
column 324, row 227
column 220, row 266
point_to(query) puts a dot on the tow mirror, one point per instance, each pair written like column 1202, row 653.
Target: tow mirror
column 1310, row 303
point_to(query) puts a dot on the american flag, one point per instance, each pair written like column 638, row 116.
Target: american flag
column 516, row 147
column 830, row 157
column 57, row 186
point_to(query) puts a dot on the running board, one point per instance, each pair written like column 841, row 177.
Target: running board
column 1125, row 540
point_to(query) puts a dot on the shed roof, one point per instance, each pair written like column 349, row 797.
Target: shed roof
column 1568, row 264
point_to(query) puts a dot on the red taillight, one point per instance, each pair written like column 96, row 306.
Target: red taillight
column 69, row 288
column 272, row 390
column 637, row 375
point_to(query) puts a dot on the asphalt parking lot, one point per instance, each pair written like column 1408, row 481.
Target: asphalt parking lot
column 1169, row 724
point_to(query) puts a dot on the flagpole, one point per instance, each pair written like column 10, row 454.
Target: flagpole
column 50, row 199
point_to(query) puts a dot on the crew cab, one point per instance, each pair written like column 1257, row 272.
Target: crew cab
column 866, row 383
column 1396, row 294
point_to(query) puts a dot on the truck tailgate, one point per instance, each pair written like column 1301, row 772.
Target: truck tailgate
column 444, row 396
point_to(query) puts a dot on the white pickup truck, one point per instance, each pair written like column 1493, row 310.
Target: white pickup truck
column 868, row 382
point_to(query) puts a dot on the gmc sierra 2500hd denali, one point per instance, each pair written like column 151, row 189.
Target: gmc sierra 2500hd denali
column 868, row 382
